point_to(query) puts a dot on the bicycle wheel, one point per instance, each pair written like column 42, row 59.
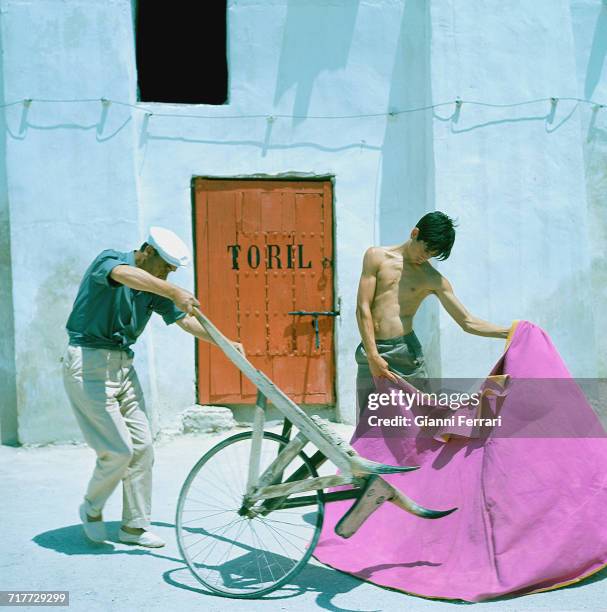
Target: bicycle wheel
column 234, row 555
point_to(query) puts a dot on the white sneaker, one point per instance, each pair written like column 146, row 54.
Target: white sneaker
column 147, row 538
column 94, row 530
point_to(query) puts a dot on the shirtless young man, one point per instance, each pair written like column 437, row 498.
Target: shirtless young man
column 394, row 282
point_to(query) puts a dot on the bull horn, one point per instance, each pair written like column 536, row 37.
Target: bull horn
column 406, row 503
column 375, row 492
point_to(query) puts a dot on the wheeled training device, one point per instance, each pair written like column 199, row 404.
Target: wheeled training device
column 250, row 511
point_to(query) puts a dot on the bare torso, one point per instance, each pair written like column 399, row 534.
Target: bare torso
column 401, row 287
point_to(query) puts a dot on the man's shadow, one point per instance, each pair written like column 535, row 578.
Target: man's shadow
column 72, row 541
column 327, row 583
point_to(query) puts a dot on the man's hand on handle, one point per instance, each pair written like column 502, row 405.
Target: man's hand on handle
column 184, row 300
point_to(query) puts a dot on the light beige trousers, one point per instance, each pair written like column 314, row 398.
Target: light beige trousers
column 107, row 400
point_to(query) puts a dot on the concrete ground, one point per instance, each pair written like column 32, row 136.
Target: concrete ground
column 43, row 547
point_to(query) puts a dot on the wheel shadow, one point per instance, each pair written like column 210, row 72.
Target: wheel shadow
column 325, row 582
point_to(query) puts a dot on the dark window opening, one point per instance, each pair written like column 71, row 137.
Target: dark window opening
column 181, row 52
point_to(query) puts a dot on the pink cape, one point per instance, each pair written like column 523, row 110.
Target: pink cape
column 531, row 510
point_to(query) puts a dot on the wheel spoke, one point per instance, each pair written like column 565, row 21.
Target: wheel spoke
column 257, row 559
column 274, row 530
column 214, row 535
column 289, row 532
column 218, row 537
column 285, row 522
column 205, row 516
column 263, row 552
column 281, row 546
column 219, row 563
column 222, row 490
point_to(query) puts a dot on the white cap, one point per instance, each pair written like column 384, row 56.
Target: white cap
column 169, row 246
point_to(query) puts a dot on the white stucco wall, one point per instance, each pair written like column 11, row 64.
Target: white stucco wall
column 513, row 176
column 80, row 179
column 71, row 181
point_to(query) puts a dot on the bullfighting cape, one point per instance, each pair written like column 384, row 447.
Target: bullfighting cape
column 531, row 499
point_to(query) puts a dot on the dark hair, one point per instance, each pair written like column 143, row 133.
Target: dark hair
column 146, row 244
column 436, row 229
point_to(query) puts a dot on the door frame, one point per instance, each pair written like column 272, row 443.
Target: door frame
column 294, row 177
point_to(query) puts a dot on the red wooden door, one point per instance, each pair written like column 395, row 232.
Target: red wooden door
column 263, row 249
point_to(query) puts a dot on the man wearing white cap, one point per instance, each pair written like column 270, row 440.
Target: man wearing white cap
column 117, row 296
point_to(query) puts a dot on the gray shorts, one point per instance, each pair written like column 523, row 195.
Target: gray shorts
column 404, row 356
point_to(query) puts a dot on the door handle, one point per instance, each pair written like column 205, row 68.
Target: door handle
column 315, row 314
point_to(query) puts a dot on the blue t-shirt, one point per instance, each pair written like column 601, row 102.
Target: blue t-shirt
column 110, row 315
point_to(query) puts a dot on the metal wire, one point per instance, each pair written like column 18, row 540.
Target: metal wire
column 272, row 116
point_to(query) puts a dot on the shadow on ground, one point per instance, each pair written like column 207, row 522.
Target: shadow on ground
column 325, row 582
column 72, row 541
